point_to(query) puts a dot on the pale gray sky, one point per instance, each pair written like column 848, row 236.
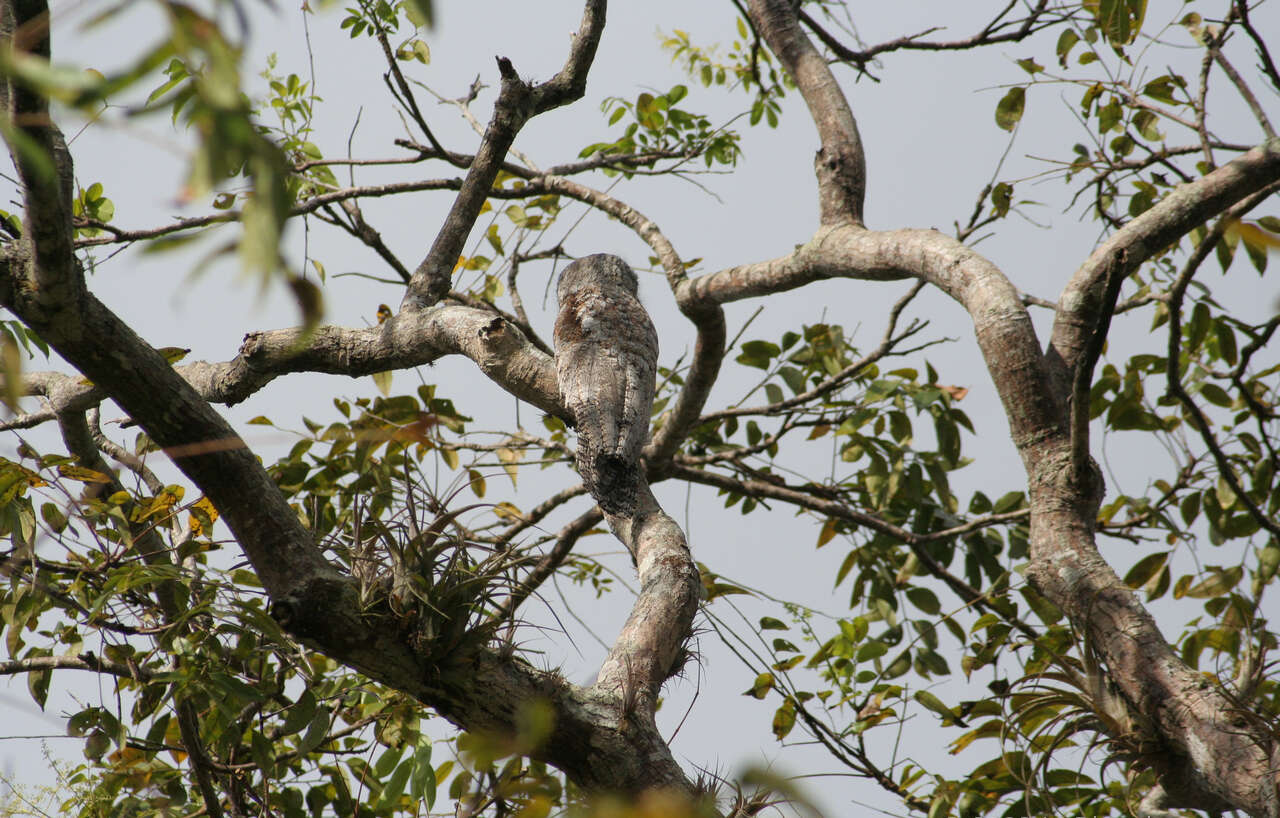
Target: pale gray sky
column 931, row 145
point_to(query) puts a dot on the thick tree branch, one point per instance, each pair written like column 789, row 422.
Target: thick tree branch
column 840, row 163
column 604, row 737
column 1082, row 304
column 650, row 647
column 406, row 340
column 42, row 160
column 1065, row 563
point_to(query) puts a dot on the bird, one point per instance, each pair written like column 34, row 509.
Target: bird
column 606, row 364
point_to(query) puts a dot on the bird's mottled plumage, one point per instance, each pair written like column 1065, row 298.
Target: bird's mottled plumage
column 606, row 363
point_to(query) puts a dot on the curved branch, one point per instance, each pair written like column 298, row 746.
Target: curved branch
column 406, row 340
column 887, row 342
column 565, row 540
column 840, row 164
column 1082, row 302
column 650, row 647
column 987, row 36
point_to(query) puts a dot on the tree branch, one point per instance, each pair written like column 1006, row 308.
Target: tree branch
column 517, row 103
column 987, row 36
column 84, row 661
column 840, row 164
column 1084, row 301
column 565, row 540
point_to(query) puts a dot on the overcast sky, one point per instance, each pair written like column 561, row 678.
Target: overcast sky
column 931, row 145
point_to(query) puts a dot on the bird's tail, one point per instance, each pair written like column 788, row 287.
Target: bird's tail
column 615, row 484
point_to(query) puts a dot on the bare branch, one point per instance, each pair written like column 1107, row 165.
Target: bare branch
column 842, row 511
column 517, row 103
column 886, row 345
column 1214, row 45
column 84, row 661
column 1030, row 24
column 565, row 540
column 1264, row 53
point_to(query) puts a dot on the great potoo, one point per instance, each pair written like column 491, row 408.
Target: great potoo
column 606, row 361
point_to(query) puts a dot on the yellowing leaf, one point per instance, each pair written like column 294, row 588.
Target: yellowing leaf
column 510, row 458
column 12, row 373
column 173, row 354
column 1255, row 235
column 828, row 532
column 450, row 457
column 476, row 479
column 507, row 511
column 158, row 505
column 784, row 719
column 383, row 381
column 761, row 687
column 83, row 475
column 202, row 513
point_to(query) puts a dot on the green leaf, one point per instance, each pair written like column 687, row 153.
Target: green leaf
column 794, row 378
column 1226, row 342
column 388, row 761
column 1219, row 582
column 422, row 786
column 1146, row 568
column 394, row 787
column 1216, row 395
column 761, row 686
column 1047, row 612
column 935, row 704
column 784, row 719
column 1066, row 41
column 1109, row 116
column 758, row 354
column 317, row 730
column 871, row 650
column 1145, row 123
column 1010, row 108
column 925, row 600
column 1120, row 20
column 421, row 13
column 1001, row 198
column 38, row 685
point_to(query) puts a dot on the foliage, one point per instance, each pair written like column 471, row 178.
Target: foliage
column 940, row 627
